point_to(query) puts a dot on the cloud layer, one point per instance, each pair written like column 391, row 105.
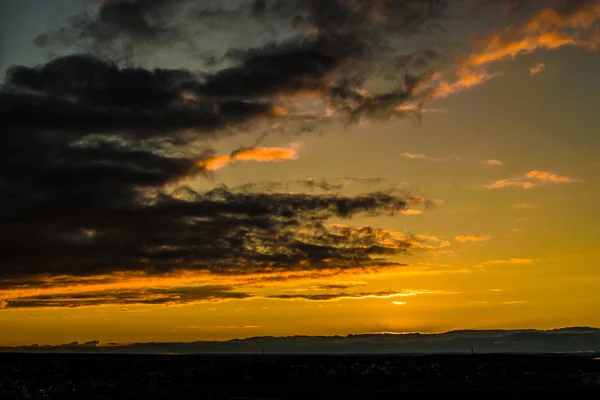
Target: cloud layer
column 532, row 179
column 98, row 145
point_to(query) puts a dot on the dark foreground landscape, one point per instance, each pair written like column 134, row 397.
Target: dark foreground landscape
column 481, row 376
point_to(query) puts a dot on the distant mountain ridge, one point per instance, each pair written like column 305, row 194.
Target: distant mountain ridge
column 561, row 340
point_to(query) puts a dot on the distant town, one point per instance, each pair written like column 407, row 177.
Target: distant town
column 99, row 376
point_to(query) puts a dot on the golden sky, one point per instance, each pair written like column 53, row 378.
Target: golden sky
column 466, row 199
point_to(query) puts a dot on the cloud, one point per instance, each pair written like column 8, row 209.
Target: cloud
column 536, row 69
column 335, row 287
column 473, row 238
column 411, row 212
column 399, row 303
column 319, row 41
column 221, row 231
column 121, row 297
column 312, row 184
column 261, row 154
column 97, row 146
column 549, row 28
column 508, row 261
column 531, row 179
column 181, row 294
column 217, row 327
column 514, row 302
column 100, row 146
column 423, row 157
column 526, row 206
column 493, row 163
column 432, row 242
column 356, row 295
column 465, row 79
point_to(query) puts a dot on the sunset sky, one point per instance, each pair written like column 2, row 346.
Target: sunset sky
column 179, row 170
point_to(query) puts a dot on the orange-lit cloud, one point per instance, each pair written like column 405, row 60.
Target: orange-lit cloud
column 497, row 49
column 423, row 157
column 411, row 212
column 260, row 154
column 431, row 241
column 493, row 163
column 536, row 69
column 531, row 179
column 547, row 29
column 473, row 238
column 465, row 79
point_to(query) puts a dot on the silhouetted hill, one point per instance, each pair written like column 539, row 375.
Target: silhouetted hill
column 575, row 339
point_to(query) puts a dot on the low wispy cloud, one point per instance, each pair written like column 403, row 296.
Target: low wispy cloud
column 122, row 297
column 526, row 206
column 513, row 302
column 473, row 238
column 493, row 163
column 532, row 179
column 215, row 327
column 423, row 157
column 536, row 69
column 357, row 295
column 507, row 261
column 260, row 154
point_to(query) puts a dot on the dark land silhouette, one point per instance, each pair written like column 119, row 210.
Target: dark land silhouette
column 119, row 376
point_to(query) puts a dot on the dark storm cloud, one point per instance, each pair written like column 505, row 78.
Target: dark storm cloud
column 99, row 83
column 163, row 21
column 135, row 21
column 287, row 68
column 102, row 226
column 149, row 296
column 88, row 179
column 334, row 48
column 83, row 94
column 84, row 192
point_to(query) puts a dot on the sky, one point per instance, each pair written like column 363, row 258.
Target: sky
column 176, row 170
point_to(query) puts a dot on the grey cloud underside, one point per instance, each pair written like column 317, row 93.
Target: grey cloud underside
column 126, row 23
